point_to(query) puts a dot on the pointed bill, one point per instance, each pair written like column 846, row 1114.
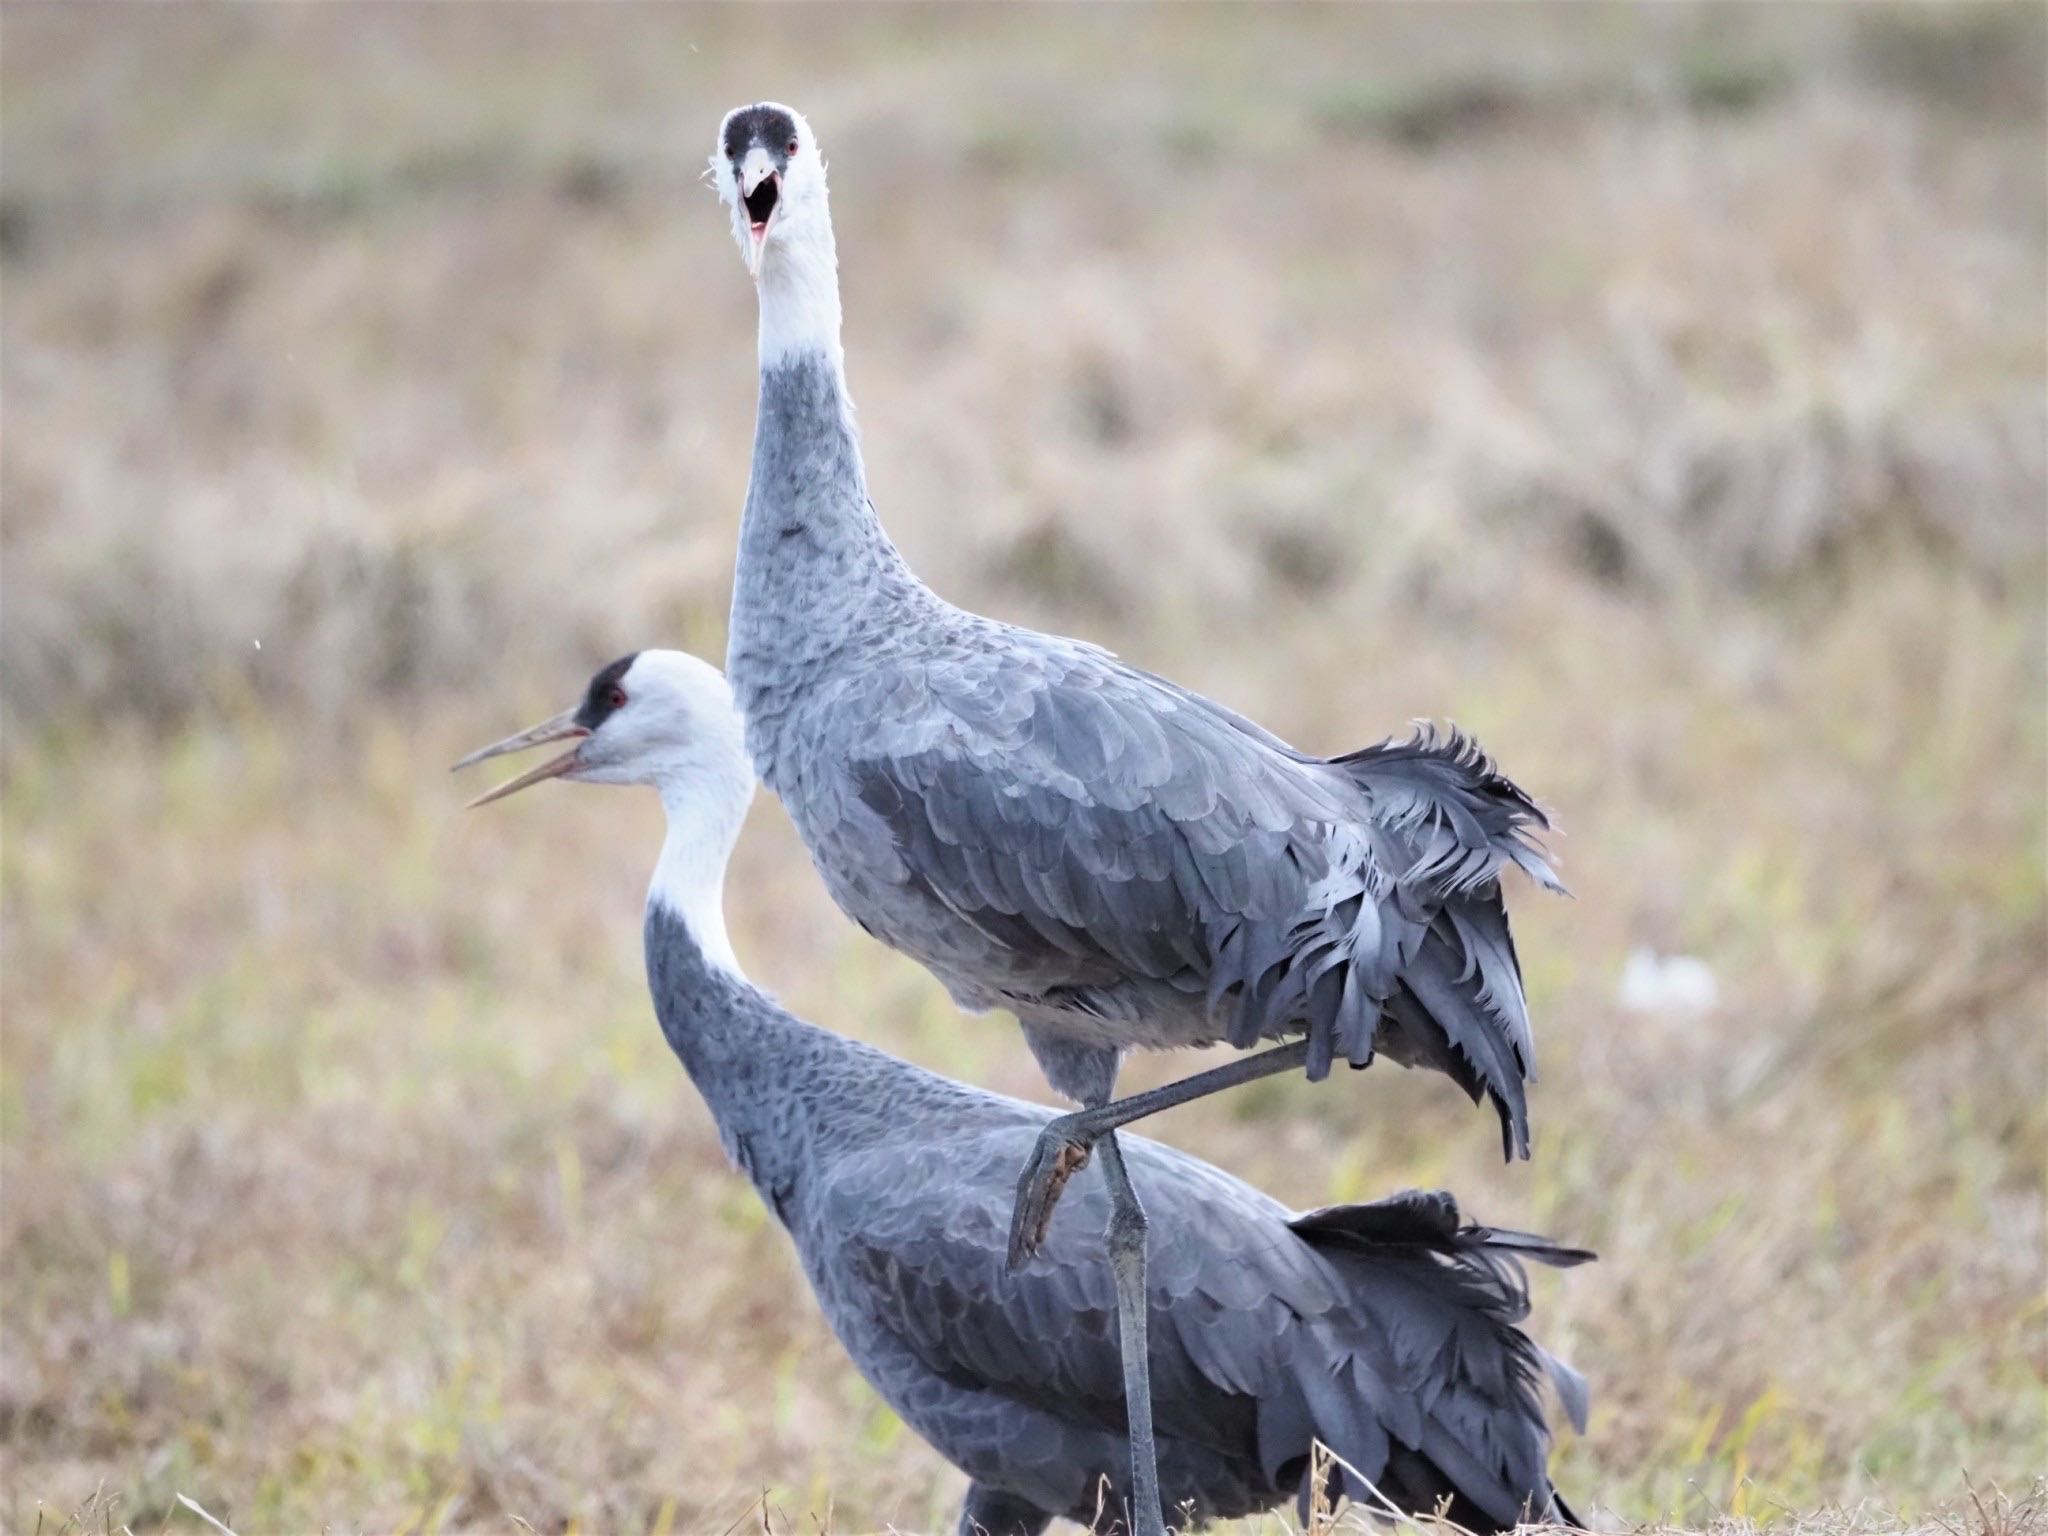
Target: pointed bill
column 562, row 727
column 760, row 197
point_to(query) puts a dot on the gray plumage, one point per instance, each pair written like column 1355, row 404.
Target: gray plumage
column 1388, row 1332
column 1114, row 859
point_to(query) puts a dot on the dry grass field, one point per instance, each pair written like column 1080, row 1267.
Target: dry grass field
column 1657, row 392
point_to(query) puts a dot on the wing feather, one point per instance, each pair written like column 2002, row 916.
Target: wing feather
column 1107, row 830
column 915, row 1241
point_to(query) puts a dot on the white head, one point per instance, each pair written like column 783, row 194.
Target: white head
column 666, row 719
column 653, row 717
column 768, row 171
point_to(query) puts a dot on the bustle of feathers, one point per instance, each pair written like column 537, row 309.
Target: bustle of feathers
column 1460, row 773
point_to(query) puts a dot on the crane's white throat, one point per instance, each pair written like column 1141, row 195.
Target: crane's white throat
column 799, row 286
column 689, row 880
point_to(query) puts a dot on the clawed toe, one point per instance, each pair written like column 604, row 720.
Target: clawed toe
column 1055, row 1159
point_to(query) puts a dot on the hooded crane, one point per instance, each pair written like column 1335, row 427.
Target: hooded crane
column 1388, row 1332
column 1115, row 860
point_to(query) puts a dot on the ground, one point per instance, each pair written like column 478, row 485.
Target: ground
column 1657, row 393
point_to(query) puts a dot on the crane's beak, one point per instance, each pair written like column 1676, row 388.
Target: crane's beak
column 760, row 189
column 562, row 727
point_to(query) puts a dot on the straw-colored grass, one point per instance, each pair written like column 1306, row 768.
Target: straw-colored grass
column 1659, row 393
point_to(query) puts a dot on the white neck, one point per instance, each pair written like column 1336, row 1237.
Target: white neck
column 689, row 880
column 799, row 285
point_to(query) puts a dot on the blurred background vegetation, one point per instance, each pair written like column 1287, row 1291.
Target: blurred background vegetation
column 1657, row 391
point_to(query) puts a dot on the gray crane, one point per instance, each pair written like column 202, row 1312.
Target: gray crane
column 1388, row 1332
column 1115, row 860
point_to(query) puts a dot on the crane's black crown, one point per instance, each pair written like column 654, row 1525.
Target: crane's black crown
column 774, row 130
column 770, row 127
column 598, row 704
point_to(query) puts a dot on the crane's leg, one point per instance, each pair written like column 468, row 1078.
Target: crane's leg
column 1126, row 1242
column 1066, row 1142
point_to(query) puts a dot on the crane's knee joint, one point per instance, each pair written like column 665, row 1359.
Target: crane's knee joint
column 1126, row 1230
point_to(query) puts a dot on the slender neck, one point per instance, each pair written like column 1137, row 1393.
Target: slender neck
column 689, row 878
column 743, row 1053
column 785, row 1093
column 799, row 286
column 813, row 557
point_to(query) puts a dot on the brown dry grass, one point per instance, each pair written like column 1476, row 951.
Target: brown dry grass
column 1658, row 392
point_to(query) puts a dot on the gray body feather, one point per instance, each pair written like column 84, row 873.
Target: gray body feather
column 1389, row 1332
column 1114, row 859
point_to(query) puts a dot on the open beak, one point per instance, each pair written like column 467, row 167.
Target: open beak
column 562, row 727
column 761, row 195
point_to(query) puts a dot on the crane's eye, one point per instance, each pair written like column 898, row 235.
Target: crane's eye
column 794, row 146
column 616, row 698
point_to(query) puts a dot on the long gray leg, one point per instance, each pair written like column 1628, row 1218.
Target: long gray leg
column 1064, row 1144
column 1126, row 1241
column 992, row 1512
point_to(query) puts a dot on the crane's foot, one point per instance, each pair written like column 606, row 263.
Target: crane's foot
column 1062, row 1151
column 1065, row 1143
